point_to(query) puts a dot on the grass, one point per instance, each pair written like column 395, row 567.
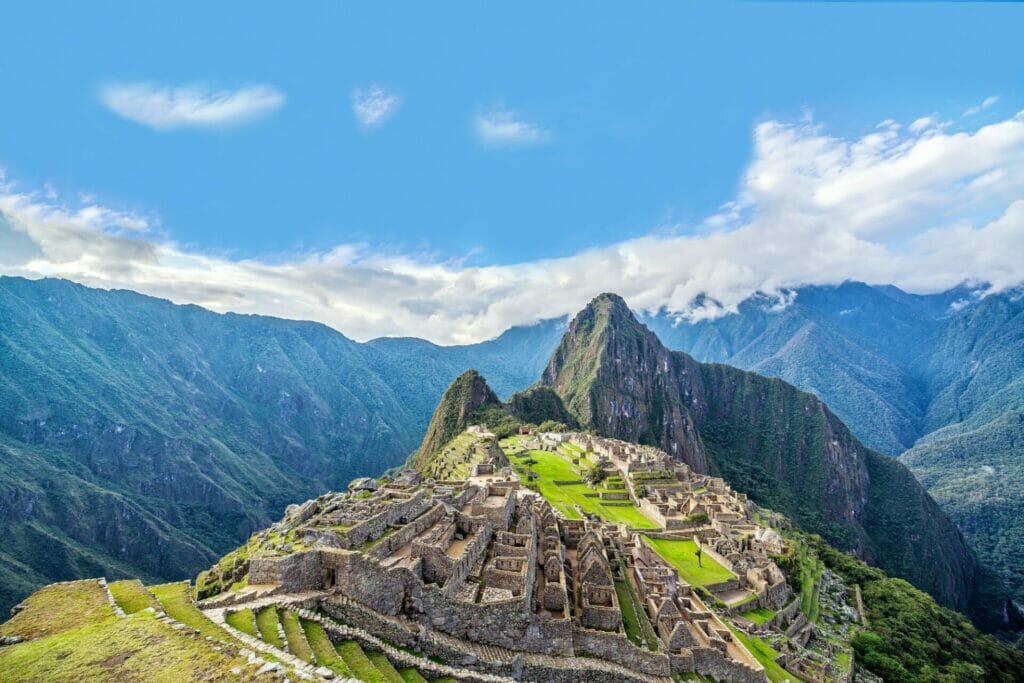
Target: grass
column 681, row 554
column 634, row 618
column 297, row 644
column 60, row 607
column 759, row 615
column 810, row 569
column 174, row 598
column 358, row 663
column 411, row 675
column 266, row 622
column 137, row 648
column 551, row 467
column 131, row 596
column 385, row 667
column 243, row 620
column 764, row 654
column 323, row 649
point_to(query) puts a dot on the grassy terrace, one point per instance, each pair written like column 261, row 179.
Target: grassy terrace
column 133, row 648
column 266, row 622
column 178, row 604
column 243, row 620
column 810, row 571
column 763, row 653
column 551, row 467
column 323, row 648
column 293, row 632
column 60, row 607
column 358, row 663
column 634, row 618
column 131, row 596
column 759, row 615
column 76, row 637
column 681, row 554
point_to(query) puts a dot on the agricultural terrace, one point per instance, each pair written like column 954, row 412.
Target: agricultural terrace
column 550, row 472
column 682, row 555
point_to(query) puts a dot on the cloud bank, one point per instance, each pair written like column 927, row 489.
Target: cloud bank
column 925, row 209
column 166, row 107
column 373, row 106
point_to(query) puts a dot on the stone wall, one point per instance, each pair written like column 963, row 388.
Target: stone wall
column 375, row 526
column 294, row 573
column 617, row 648
column 387, row 546
column 505, row 624
column 708, row 661
column 470, row 555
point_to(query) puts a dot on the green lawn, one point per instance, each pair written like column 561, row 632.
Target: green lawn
column 759, row 615
column 681, row 554
column 763, row 653
column 323, row 648
column 175, row 599
column 266, row 622
column 551, row 467
column 243, row 620
column 131, row 596
column 297, row 644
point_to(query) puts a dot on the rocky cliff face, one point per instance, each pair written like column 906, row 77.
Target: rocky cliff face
column 615, row 376
column 782, row 446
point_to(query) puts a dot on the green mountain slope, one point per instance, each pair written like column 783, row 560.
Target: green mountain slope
column 138, row 437
column 781, row 445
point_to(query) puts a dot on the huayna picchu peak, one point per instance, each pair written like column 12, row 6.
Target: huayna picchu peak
column 635, row 515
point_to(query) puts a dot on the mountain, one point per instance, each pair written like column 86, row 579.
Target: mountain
column 783, row 446
column 141, row 438
column 461, row 405
column 973, row 461
column 941, row 375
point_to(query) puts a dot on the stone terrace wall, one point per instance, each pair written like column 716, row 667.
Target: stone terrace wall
column 505, row 624
column 294, row 573
column 365, row 581
column 617, row 648
column 708, row 661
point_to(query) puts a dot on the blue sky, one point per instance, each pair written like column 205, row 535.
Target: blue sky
column 518, row 133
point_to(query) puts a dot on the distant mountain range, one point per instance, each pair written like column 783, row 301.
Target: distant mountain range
column 141, row 438
column 178, row 431
column 941, row 375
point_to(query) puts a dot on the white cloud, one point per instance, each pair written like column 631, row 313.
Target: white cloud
column 166, row 107
column 373, row 106
column 924, row 212
column 501, row 127
column 977, row 109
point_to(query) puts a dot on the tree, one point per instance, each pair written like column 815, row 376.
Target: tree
column 594, row 475
column 699, row 551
